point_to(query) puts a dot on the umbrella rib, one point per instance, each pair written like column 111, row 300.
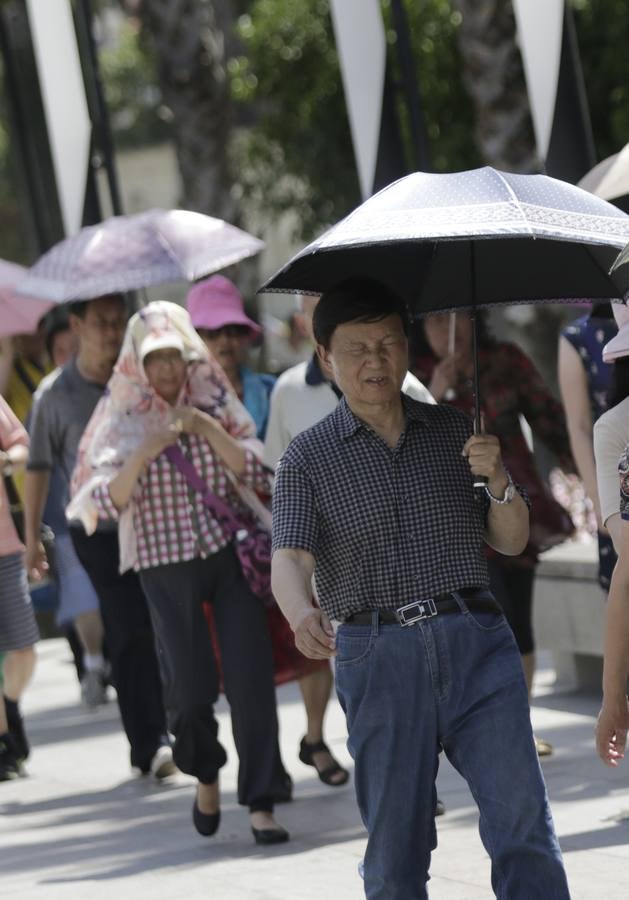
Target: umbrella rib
column 515, row 199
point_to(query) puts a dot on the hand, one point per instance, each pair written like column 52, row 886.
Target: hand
column 611, row 732
column 189, row 419
column 314, row 636
column 157, row 442
column 483, row 454
column 35, row 560
column 444, row 377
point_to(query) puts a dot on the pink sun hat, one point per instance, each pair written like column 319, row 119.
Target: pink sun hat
column 216, row 302
column 619, row 345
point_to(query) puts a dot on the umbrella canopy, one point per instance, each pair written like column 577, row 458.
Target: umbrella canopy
column 609, row 179
column 481, row 237
column 125, row 253
column 19, row 314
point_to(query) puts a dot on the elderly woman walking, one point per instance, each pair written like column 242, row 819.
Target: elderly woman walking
column 171, row 454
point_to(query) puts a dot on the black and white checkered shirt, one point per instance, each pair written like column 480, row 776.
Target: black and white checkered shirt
column 386, row 527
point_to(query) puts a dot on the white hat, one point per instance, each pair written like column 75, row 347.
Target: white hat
column 165, row 340
column 619, row 345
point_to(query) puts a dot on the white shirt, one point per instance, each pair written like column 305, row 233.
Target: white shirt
column 611, row 436
column 297, row 405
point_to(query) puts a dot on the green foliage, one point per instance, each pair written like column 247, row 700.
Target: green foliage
column 133, row 96
column 602, row 30
column 299, row 154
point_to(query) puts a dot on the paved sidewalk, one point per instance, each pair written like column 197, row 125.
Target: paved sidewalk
column 80, row 826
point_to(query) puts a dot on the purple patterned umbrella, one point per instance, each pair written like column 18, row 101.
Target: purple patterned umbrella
column 125, row 253
column 18, row 314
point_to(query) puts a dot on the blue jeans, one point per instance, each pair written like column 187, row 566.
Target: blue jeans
column 452, row 682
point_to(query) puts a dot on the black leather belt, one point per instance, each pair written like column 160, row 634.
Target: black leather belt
column 424, row 609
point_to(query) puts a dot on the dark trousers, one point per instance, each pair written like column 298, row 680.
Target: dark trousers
column 191, row 682
column 130, row 644
column 512, row 586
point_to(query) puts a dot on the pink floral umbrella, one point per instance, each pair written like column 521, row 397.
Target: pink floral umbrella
column 19, row 313
column 126, row 253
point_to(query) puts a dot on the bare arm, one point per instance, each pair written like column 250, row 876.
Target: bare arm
column 229, row 449
column 507, row 524
column 36, row 485
column 613, row 721
column 291, row 578
column 576, row 403
column 122, row 486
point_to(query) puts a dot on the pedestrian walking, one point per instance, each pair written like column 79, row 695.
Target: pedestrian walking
column 170, row 455
column 217, row 312
column 92, row 593
column 584, row 381
column 511, row 388
column 377, row 501
column 18, row 628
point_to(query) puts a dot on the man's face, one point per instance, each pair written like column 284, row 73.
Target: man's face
column 367, row 360
column 64, row 346
column 101, row 330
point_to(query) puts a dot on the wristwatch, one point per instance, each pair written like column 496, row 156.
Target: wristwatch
column 509, row 493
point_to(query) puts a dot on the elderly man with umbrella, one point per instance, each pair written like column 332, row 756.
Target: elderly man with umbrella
column 388, row 502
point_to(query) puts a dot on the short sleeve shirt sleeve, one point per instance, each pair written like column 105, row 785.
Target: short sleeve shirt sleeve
column 295, row 522
column 41, row 455
column 623, row 473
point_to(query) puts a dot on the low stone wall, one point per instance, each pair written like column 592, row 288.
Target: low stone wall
column 569, row 614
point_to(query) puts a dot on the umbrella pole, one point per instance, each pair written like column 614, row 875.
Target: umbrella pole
column 479, row 480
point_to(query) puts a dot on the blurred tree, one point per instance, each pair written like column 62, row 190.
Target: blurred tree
column 494, row 78
column 602, row 30
column 191, row 41
column 290, row 71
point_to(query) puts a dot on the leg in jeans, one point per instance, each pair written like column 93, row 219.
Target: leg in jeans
column 175, row 595
column 245, row 648
column 130, row 644
column 486, row 733
column 383, row 679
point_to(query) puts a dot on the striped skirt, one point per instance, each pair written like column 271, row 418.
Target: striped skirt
column 18, row 628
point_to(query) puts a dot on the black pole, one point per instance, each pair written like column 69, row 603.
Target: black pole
column 479, row 480
column 96, row 99
column 419, row 134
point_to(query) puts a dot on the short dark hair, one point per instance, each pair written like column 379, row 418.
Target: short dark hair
column 56, row 326
column 79, row 307
column 356, row 300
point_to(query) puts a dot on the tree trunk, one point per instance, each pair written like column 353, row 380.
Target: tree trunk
column 191, row 40
column 494, row 78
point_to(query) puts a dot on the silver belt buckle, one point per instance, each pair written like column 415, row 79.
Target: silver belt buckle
column 415, row 612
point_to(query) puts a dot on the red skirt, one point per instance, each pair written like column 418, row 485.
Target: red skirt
column 288, row 663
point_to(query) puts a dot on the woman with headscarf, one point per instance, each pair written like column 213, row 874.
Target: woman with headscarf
column 167, row 392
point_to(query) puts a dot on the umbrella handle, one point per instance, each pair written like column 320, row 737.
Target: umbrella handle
column 480, row 481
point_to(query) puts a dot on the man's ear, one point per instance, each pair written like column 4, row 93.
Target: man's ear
column 323, row 355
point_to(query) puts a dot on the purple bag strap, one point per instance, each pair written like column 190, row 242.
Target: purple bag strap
column 214, row 504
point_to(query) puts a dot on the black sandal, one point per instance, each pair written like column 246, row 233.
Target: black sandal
column 306, row 752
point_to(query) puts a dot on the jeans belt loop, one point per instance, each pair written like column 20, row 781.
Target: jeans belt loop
column 375, row 623
column 416, row 612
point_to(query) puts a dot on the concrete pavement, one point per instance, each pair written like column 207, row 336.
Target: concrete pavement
column 81, row 826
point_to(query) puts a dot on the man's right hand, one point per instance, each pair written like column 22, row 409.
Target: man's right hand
column 314, row 636
column 35, row 560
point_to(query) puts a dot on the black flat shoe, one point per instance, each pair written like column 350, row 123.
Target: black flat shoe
column 306, row 752
column 205, row 823
column 270, row 835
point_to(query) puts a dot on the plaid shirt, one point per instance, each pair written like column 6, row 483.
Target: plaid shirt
column 386, row 527
column 171, row 522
